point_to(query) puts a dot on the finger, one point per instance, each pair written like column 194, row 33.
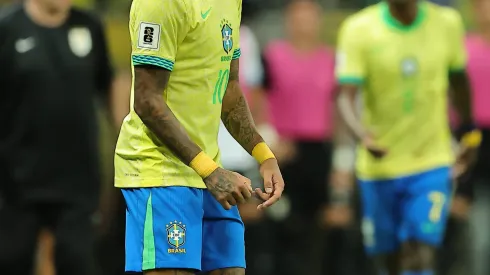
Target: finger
column 273, row 199
column 249, row 186
column 247, row 183
column 261, row 195
column 245, row 188
column 268, row 184
column 245, row 180
column 231, row 200
column 279, row 188
column 225, row 205
column 238, row 195
column 250, row 189
column 246, row 191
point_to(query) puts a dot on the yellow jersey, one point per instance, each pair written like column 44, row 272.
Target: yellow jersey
column 403, row 75
column 196, row 40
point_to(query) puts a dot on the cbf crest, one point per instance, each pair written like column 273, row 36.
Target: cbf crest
column 409, row 66
column 227, row 35
column 80, row 41
column 176, row 237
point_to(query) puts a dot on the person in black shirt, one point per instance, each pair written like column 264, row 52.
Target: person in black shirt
column 53, row 63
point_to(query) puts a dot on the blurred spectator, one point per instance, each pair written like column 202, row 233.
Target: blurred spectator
column 298, row 90
column 54, row 63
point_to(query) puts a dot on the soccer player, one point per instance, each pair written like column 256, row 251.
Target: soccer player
column 399, row 53
column 185, row 79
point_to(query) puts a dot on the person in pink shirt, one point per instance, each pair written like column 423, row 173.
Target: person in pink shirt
column 298, row 95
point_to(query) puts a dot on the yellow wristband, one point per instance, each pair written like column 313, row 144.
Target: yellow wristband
column 471, row 139
column 262, row 152
column 203, row 165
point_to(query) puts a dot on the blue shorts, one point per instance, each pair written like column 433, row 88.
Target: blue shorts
column 413, row 207
column 181, row 228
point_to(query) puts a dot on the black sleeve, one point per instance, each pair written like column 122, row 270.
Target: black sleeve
column 104, row 73
column 10, row 96
column 7, row 47
column 266, row 81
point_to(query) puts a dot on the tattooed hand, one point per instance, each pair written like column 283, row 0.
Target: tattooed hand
column 229, row 188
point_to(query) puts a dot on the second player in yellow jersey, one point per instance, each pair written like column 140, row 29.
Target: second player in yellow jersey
column 403, row 74
column 402, row 55
column 181, row 206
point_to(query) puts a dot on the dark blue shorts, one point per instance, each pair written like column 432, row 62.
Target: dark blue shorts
column 413, row 207
column 181, row 228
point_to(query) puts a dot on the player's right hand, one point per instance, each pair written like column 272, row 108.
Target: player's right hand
column 373, row 148
column 228, row 188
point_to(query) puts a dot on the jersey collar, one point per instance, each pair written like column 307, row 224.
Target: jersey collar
column 392, row 22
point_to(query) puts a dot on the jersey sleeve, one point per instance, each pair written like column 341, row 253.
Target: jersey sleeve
column 158, row 27
column 8, row 27
column 457, row 58
column 237, row 52
column 350, row 65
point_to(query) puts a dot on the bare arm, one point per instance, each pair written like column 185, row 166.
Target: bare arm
column 236, row 115
column 120, row 95
column 150, row 106
column 462, row 96
column 344, row 145
column 348, row 110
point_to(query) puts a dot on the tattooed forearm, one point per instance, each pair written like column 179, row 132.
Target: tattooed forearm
column 149, row 84
column 462, row 95
column 236, row 115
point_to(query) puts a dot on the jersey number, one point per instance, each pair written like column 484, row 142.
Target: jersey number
column 438, row 200
column 220, row 87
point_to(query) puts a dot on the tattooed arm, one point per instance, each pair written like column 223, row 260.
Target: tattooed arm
column 236, row 116
column 149, row 83
column 235, row 113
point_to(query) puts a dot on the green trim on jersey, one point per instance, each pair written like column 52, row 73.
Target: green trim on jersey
column 350, row 80
column 394, row 23
column 149, row 255
column 152, row 60
column 236, row 54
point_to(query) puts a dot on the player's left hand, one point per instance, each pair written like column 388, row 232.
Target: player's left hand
column 273, row 184
column 465, row 159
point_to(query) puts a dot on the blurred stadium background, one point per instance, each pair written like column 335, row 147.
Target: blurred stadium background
column 266, row 20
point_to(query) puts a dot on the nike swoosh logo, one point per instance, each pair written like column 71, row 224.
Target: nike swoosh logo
column 205, row 14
